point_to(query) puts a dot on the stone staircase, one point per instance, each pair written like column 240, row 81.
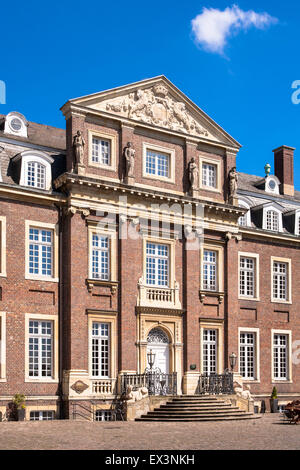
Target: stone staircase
column 197, row 408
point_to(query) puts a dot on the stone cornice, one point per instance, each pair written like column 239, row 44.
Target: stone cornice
column 26, row 194
column 159, row 311
column 69, row 179
column 259, row 233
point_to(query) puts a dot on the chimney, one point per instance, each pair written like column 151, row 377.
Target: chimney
column 284, row 169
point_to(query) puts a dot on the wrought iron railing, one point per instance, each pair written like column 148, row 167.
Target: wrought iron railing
column 216, row 384
column 157, row 383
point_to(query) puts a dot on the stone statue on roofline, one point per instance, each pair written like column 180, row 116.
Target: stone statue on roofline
column 78, row 148
column 233, row 184
column 129, row 154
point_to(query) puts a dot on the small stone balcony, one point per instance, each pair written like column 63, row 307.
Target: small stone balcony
column 161, row 297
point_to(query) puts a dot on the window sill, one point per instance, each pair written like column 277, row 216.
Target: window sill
column 210, row 293
column 102, row 167
column 209, row 188
column 41, row 278
column 41, row 381
column 283, row 381
column 250, row 299
column 113, row 285
column 249, row 381
column 281, row 302
column 3, row 380
column 163, row 179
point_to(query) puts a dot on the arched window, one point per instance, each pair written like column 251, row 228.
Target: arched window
column 157, row 335
column 34, row 168
column 36, row 175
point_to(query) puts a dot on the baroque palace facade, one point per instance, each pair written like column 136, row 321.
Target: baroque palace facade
column 131, row 232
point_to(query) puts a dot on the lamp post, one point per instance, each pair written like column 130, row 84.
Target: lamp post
column 232, row 360
column 151, row 358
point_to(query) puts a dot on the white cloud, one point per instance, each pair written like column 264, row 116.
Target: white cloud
column 213, row 27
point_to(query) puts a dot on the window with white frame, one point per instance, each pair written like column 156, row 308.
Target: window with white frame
column 36, row 175
column 157, row 163
column 40, row 349
column 209, row 351
column 245, row 220
column 41, row 415
column 101, row 151
column 272, row 220
column 100, row 350
column 100, row 257
column 40, row 252
column 103, row 415
column 209, row 270
column 209, row 175
column 247, row 276
column 157, row 264
column 280, row 356
column 247, row 355
column 280, row 280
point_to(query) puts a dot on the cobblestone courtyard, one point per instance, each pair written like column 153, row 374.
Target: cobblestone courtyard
column 270, row 432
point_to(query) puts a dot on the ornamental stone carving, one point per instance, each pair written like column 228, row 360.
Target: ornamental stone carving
column 79, row 386
column 156, row 106
column 129, row 154
column 233, row 184
column 78, row 147
column 193, row 174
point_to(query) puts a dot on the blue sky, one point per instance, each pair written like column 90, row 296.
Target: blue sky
column 55, row 51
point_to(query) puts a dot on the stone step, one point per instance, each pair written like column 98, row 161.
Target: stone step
column 194, row 413
column 196, row 408
column 214, row 418
column 196, row 403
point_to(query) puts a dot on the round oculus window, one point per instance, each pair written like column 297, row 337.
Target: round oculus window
column 272, row 185
column 16, row 124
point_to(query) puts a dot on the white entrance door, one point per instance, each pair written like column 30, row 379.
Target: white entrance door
column 159, row 344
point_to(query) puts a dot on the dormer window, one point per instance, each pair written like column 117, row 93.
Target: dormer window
column 36, row 175
column 272, row 221
column 245, row 220
column 33, row 169
column 272, row 217
column 16, row 123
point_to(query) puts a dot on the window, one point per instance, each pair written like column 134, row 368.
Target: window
column 247, row 355
column 247, row 277
column 16, row 123
column 272, row 220
column 36, row 175
column 157, row 264
column 103, row 415
column 41, row 415
column 245, row 220
column 280, row 280
column 40, row 349
column 40, row 252
column 209, row 351
column 100, row 257
column 101, row 151
column 209, row 175
column 100, row 349
column 210, row 270
column 157, row 163
column 280, row 357
column 2, row 246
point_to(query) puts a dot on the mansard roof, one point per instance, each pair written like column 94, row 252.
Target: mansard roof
column 249, row 184
column 155, row 102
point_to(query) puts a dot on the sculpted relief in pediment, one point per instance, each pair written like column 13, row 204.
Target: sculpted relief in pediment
column 155, row 106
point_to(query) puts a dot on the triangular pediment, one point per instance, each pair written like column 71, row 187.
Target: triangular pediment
column 157, row 102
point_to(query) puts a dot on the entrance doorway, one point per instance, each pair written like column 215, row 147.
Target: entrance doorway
column 158, row 342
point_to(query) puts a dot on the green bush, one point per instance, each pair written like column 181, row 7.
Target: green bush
column 19, row 401
column 274, row 393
